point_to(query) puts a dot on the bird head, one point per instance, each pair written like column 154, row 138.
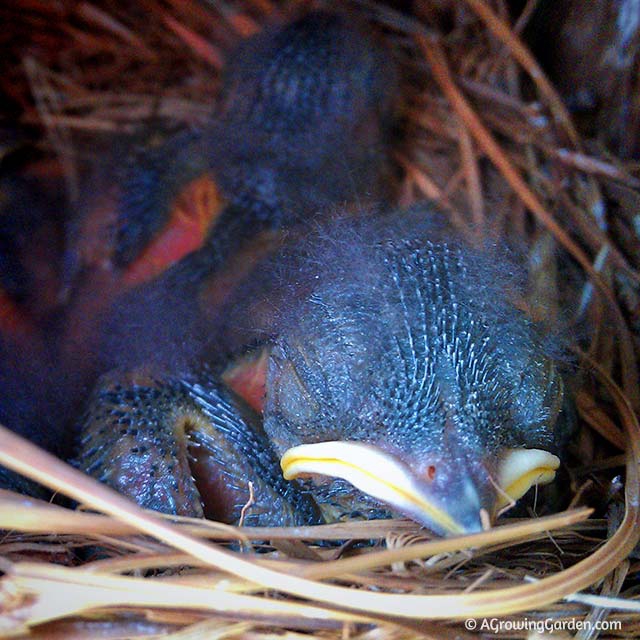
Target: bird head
column 405, row 381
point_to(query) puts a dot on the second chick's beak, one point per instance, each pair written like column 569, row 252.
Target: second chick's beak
column 413, row 380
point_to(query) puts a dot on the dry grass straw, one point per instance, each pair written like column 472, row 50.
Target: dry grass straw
column 500, row 166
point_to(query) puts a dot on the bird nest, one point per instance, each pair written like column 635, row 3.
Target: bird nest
column 485, row 135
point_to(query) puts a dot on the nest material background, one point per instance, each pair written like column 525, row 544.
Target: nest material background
column 487, row 137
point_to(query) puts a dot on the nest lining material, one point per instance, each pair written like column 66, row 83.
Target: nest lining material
column 499, row 166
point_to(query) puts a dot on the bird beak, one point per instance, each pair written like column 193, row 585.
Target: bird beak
column 521, row 469
column 450, row 504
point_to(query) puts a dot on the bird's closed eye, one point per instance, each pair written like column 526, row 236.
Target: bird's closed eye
column 294, row 400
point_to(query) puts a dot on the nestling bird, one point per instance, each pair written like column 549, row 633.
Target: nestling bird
column 397, row 367
column 301, row 127
column 406, row 370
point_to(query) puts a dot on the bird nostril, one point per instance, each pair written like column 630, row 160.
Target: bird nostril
column 430, row 473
